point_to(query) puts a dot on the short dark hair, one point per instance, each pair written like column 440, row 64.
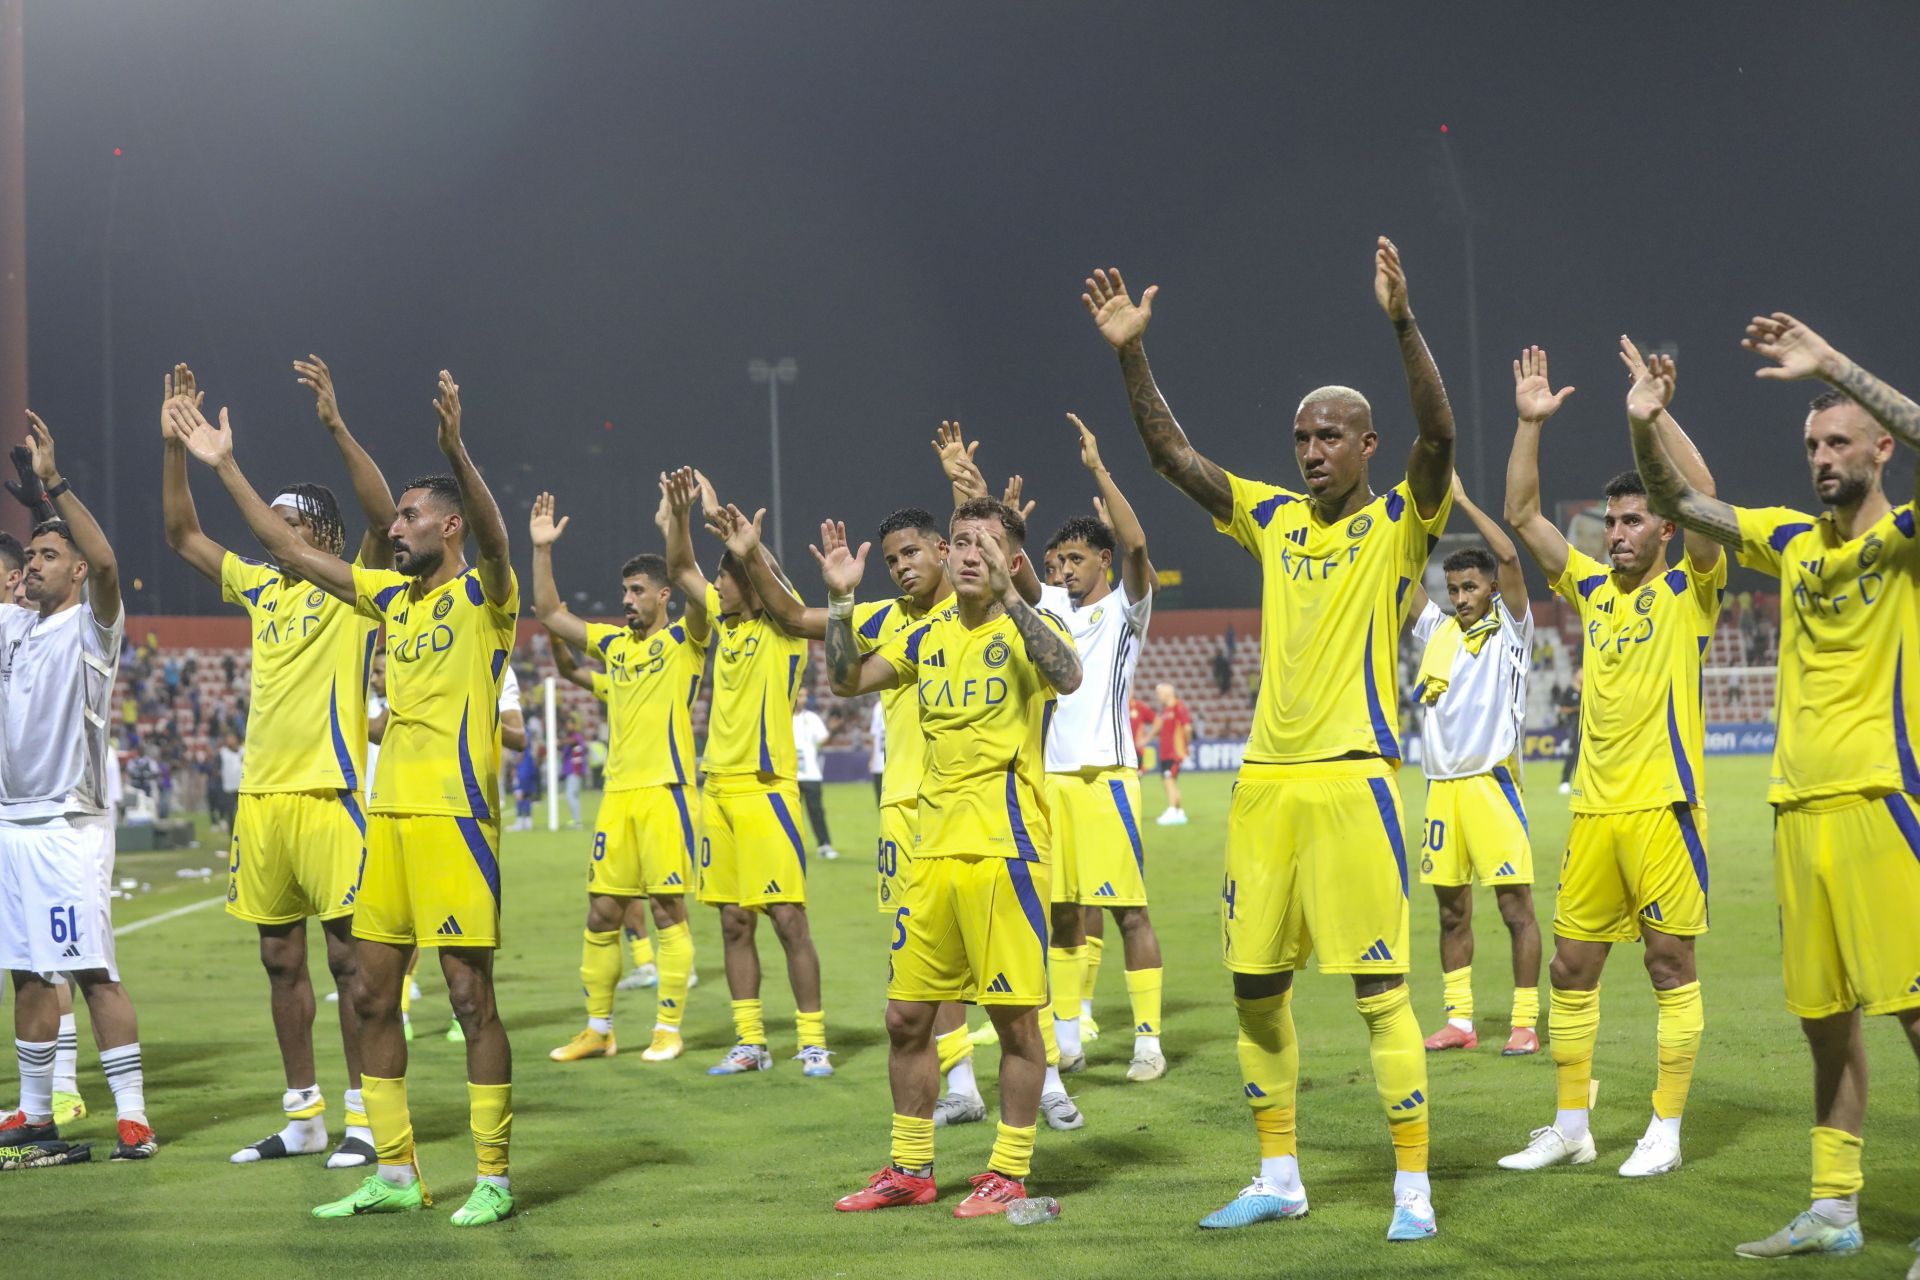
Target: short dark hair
column 730, row 564
column 12, row 552
column 1627, row 484
column 993, row 509
column 911, row 518
column 443, row 488
column 321, row 509
column 646, row 564
column 1828, row 399
column 1471, row 558
column 55, row 526
column 1084, row 529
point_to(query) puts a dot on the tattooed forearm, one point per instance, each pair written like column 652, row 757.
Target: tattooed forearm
column 1432, row 414
column 843, row 656
column 1892, row 410
column 1167, row 445
column 1669, row 494
column 1049, row 652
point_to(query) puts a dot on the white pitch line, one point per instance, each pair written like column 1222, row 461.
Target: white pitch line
column 165, row 916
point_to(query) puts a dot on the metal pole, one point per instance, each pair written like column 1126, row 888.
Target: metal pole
column 1476, row 429
column 553, row 758
column 773, row 420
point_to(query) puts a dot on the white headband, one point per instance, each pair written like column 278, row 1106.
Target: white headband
column 307, row 507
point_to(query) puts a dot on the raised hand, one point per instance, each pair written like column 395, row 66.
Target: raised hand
column 742, row 536
column 1100, row 511
column 1120, row 322
column 663, row 514
column 1797, row 351
column 211, row 445
column 447, row 407
column 317, row 378
column 680, row 490
column 1011, row 497
column 1533, row 393
column 709, row 500
column 39, row 443
column 27, row 490
column 840, row 567
column 1652, row 391
column 1390, row 282
column 541, row 526
column 1089, row 446
column 956, row 455
column 1459, row 489
column 999, row 574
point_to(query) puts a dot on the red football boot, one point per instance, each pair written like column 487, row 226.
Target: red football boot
column 1523, row 1041
column 992, row 1193
column 1452, row 1037
column 891, row 1188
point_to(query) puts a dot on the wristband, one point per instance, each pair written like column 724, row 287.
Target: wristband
column 840, row 606
column 63, row 487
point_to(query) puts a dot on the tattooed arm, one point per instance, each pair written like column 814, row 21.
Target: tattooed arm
column 1799, row 352
column 848, row 673
column 1124, row 325
column 1669, row 493
column 1047, row 649
column 1430, row 468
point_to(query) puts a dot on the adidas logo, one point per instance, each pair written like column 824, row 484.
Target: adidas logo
column 1105, row 890
column 1506, row 869
column 71, row 953
column 674, row 878
column 1298, row 535
column 935, row 659
column 1651, row 911
column 351, row 895
column 1915, row 987
column 773, row 886
column 1410, row 1102
column 450, row 928
column 1378, row 951
column 1255, row 1091
column 1000, row 985
column 669, row 1004
column 1144, row 1029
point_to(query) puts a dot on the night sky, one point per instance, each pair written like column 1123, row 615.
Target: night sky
column 595, row 214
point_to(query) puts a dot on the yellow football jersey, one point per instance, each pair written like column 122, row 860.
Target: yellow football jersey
column 1333, row 598
column 1642, row 726
column 312, row 655
column 756, row 668
column 651, row 684
column 984, row 709
column 873, row 626
column 1844, row 707
column 446, row 649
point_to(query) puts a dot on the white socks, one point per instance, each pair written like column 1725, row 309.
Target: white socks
column 1460, row 1024
column 960, row 1079
column 1284, row 1173
column 1404, row 1182
column 400, row 1175
column 122, row 1069
column 1086, row 1008
column 1841, row 1213
column 1571, row 1124
column 601, row 1026
column 500, row 1181
column 1066, row 1033
column 66, row 1053
column 1660, row 1124
column 301, row 1136
column 1146, row 1044
column 1052, row 1083
column 36, row 1079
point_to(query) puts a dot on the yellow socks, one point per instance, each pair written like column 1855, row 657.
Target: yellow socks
column 1066, row 967
column 389, row 1119
column 954, row 1048
column 1575, row 1027
column 1143, row 989
column 1095, row 946
column 912, row 1142
column 1046, row 1034
column 1526, row 1007
column 1399, row 1073
column 1269, row 1055
column 640, row 946
column 1012, row 1155
column 749, row 1027
column 1836, row 1164
column 1457, row 992
column 812, row 1028
column 676, row 962
column 1682, row 1019
column 1275, row 1125
column 599, row 975
column 490, row 1116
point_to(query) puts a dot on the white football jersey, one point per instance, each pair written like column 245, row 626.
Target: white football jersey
column 56, row 687
column 1476, row 723
column 1090, row 727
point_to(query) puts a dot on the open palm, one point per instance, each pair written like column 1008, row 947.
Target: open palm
column 1120, row 321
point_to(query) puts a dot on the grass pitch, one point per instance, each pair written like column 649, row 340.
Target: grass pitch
column 621, row 1167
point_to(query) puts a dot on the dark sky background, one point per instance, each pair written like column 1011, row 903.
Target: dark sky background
column 597, row 213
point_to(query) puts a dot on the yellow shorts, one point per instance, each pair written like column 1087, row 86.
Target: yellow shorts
column 1475, row 826
column 643, row 842
column 750, row 850
column 972, row 929
column 1316, row 861
column 295, row 854
column 1624, row 871
column 899, row 824
column 1096, row 855
column 431, row 880
column 1848, row 874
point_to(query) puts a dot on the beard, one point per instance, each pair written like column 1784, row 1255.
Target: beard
column 418, row 564
column 1852, row 490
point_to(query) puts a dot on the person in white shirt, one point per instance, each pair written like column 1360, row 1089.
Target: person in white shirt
column 877, row 754
column 376, row 715
column 58, row 657
column 1093, row 767
column 1472, row 691
column 809, row 735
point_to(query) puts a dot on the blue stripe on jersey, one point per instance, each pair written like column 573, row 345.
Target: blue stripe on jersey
column 1390, row 818
column 1696, row 852
column 686, row 817
column 499, row 661
column 482, row 854
column 1046, row 720
column 766, row 756
column 1396, row 505
column 1903, row 520
column 679, row 774
column 793, row 675
column 476, row 798
column 1263, row 510
column 351, row 799
column 340, row 752
column 607, row 640
column 870, row 629
column 678, row 632
column 1021, row 840
column 780, row 811
column 1505, row 779
column 1676, row 580
column 1785, row 533
column 1902, row 742
column 1587, row 586
column 1126, row 817
column 1902, row 811
column 385, row 596
column 1680, row 764
column 366, row 666
column 1382, row 731
column 913, row 642
column 1022, row 876
column 474, row 593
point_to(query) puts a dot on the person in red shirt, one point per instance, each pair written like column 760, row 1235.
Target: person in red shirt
column 1176, row 736
column 1142, row 720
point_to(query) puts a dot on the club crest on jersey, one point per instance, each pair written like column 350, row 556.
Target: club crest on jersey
column 1643, row 603
column 653, row 650
column 1358, row 526
column 317, row 597
column 1870, row 551
column 443, row 607
column 996, row 653
column 1093, row 619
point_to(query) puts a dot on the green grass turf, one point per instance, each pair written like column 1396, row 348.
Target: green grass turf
column 622, row 1167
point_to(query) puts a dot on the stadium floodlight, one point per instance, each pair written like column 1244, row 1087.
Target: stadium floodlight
column 773, row 373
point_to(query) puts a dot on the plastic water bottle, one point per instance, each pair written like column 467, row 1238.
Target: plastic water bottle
column 1024, row 1213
